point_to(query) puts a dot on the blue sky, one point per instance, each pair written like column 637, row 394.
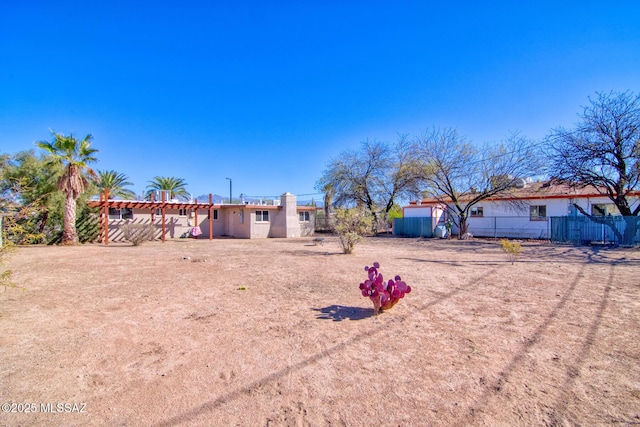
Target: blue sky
column 266, row 93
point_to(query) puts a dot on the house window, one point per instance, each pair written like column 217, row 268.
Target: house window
column 477, row 211
column 304, row 216
column 182, row 212
column 602, row 209
column 114, row 213
column 158, row 211
column 215, row 214
column 126, row 213
column 538, row 213
column 241, row 217
column 262, row 216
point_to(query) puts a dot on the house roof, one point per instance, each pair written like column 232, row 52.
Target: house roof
column 531, row 191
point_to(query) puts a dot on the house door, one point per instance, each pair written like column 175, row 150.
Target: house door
column 230, row 223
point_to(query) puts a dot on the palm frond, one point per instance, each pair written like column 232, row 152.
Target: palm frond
column 175, row 186
column 115, row 182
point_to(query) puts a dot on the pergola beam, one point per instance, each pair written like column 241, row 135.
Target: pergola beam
column 104, row 204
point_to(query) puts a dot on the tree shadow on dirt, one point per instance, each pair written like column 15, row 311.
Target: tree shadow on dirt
column 338, row 313
column 557, row 414
column 541, row 254
column 309, row 252
column 205, row 407
column 573, row 371
column 456, row 262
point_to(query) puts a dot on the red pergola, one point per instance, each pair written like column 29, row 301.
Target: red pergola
column 104, row 204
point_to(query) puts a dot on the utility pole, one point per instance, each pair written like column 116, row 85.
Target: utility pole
column 230, row 189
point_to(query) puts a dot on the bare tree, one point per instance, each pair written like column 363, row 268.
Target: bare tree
column 372, row 177
column 460, row 174
column 602, row 152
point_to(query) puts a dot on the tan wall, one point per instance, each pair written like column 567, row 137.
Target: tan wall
column 283, row 222
column 116, row 235
column 237, row 222
column 203, row 223
column 289, row 201
column 278, row 222
column 286, row 222
column 308, row 228
column 176, row 226
column 261, row 230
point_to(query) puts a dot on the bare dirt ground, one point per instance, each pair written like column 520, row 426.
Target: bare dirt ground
column 275, row 333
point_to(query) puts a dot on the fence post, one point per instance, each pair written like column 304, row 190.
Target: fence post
column 548, row 228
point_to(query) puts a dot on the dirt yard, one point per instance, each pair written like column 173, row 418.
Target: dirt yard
column 276, row 333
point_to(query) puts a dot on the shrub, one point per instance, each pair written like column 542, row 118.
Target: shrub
column 22, row 225
column 5, row 275
column 6, row 247
column 351, row 225
column 511, row 249
column 384, row 296
column 448, row 225
column 138, row 233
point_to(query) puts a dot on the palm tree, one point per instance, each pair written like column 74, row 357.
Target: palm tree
column 115, row 182
column 73, row 156
column 175, row 186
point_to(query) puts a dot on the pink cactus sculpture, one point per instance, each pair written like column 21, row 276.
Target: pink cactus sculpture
column 383, row 295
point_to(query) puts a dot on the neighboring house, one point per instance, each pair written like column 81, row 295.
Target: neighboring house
column 524, row 212
column 175, row 219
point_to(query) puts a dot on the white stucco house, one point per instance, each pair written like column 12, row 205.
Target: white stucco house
column 524, row 212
